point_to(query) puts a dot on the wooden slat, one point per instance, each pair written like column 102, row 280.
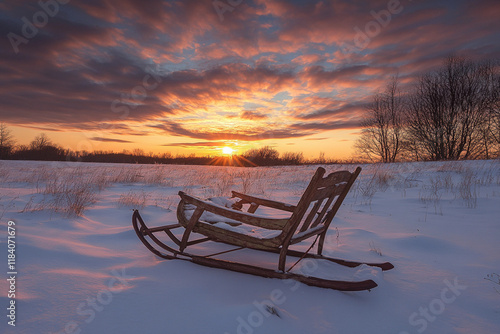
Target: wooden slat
column 306, row 235
column 334, row 178
column 318, row 219
column 298, row 214
column 238, row 239
column 336, row 206
column 265, row 202
column 163, row 228
column 311, row 215
column 253, row 207
column 189, row 228
column 342, row 196
column 247, row 218
column 304, row 203
column 327, row 192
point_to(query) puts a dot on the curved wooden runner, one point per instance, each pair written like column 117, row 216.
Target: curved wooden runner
column 159, row 248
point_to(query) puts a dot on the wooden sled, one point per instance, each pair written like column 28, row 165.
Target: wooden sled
column 310, row 218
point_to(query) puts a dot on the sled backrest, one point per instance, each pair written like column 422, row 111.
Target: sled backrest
column 320, row 202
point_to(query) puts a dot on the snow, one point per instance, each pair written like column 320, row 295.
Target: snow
column 437, row 222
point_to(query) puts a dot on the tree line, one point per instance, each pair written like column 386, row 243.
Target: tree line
column 42, row 148
column 451, row 113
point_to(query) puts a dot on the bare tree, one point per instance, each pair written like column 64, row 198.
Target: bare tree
column 292, row 158
column 6, row 138
column 381, row 137
column 138, row 152
column 492, row 128
column 6, row 141
column 40, row 142
column 263, row 156
column 448, row 109
column 495, row 128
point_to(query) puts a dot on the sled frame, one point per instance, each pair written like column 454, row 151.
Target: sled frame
column 323, row 193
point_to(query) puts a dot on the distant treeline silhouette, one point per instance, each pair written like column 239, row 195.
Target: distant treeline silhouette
column 42, row 148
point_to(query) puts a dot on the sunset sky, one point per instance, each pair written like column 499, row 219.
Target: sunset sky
column 196, row 76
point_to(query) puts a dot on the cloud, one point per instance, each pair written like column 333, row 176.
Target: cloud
column 110, row 140
column 309, row 59
column 197, row 144
column 322, row 138
column 327, row 126
column 345, row 110
column 318, row 76
column 176, row 129
column 251, row 115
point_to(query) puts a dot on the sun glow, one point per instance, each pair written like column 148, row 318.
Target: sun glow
column 227, row 150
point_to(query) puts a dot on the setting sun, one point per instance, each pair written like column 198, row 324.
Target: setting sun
column 227, row 150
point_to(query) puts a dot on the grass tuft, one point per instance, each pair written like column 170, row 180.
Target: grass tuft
column 134, row 199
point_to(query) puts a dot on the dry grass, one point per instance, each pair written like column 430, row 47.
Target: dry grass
column 165, row 202
column 4, row 174
column 77, row 197
column 379, row 180
column 431, row 192
column 220, row 181
column 70, row 198
column 495, row 278
column 134, row 199
column 69, row 191
column 468, row 188
column 462, row 183
column 253, row 181
column 127, row 175
column 248, row 179
column 375, row 249
column 221, row 184
column 5, row 208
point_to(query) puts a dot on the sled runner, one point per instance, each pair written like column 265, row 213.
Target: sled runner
column 223, row 220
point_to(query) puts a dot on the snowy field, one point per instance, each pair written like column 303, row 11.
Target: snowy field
column 81, row 269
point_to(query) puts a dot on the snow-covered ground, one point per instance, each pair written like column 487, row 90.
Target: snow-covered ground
column 81, row 269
